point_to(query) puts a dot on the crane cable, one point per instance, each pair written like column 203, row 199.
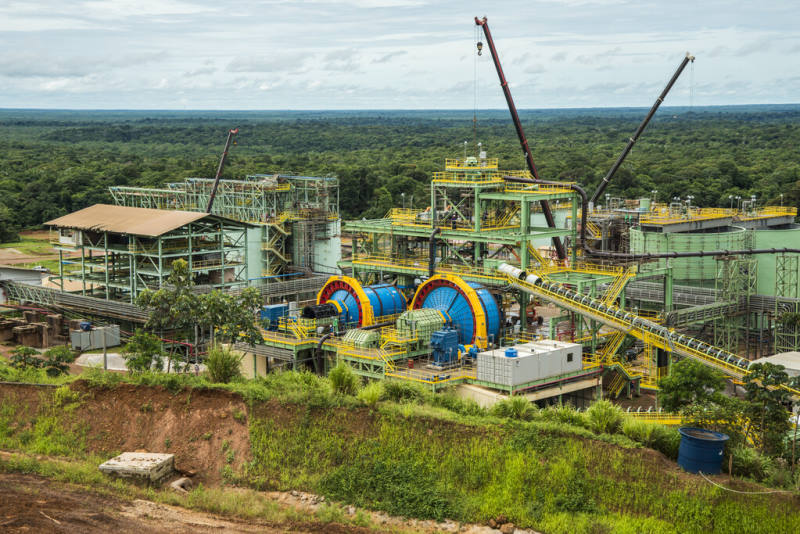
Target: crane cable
column 475, row 87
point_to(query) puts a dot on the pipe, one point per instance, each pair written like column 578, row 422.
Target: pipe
column 326, row 337
column 642, row 126
column 432, row 252
column 318, row 351
column 644, row 256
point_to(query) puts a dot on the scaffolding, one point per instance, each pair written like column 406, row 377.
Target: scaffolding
column 735, row 283
column 115, row 265
column 285, row 209
column 787, row 304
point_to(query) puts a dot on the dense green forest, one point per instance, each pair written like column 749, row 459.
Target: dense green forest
column 54, row 162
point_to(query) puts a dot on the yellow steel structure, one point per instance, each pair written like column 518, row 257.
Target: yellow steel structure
column 367, row 314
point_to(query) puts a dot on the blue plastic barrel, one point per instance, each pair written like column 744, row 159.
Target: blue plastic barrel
column 701, row 450
column 511, row 353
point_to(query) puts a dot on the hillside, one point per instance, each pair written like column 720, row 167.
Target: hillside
column 406, row 458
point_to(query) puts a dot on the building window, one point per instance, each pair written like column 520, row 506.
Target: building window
column 569, row 356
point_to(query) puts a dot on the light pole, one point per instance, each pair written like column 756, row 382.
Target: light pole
column 738, row 198
column 403, row 196
column 730, row 197
column 781, row 199
column 655, row 195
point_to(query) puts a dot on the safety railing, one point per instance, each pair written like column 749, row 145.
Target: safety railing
column 459, row 164
column 665, row 215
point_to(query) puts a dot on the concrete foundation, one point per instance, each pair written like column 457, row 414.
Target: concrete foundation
column 149, row 467
column 7, row 328
column 28, row 335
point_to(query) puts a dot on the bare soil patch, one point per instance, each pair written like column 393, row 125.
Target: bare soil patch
column 198, row 427
column 34, row 504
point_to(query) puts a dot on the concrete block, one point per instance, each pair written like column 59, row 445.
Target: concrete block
column 55, row 322
column 7, row 330
column 28, row 335
column 150, row 467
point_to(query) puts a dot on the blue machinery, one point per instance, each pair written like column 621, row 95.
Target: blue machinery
column 359, row 305
column 468, row 307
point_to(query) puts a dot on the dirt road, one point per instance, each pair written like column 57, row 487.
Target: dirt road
column 32, row 504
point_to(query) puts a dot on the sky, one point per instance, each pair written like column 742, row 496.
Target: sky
column 393, row 54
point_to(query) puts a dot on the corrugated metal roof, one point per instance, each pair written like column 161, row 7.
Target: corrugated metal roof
column 127, row 220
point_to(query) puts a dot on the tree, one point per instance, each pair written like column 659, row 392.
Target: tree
column 8, row 225
column 766, row 404
column 173, row 307
column 234, row 315
column 690, row 382
column 54, row 361
column 143, row 352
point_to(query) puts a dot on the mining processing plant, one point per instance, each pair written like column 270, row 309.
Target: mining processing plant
column 505, row 284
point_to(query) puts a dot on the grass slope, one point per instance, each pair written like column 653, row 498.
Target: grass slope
column 436, row 457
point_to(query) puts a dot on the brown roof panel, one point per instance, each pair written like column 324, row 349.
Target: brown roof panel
column 126, row 220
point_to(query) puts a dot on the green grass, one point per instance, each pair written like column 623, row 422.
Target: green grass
column 30, row 246
column 241, row 503
column 538, row 474
column 415, row 454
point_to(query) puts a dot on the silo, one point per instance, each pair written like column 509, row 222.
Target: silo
column 775, row 237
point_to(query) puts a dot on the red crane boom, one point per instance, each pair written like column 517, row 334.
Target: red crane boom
column 523, row 141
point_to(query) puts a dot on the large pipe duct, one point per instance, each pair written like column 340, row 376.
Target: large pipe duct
column 646, row 255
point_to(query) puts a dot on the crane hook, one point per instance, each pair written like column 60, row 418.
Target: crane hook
column 480, row 47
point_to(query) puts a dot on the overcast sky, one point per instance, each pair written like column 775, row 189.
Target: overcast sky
column 392, row 54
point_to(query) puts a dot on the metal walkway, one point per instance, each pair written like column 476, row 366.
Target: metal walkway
column 618, row 319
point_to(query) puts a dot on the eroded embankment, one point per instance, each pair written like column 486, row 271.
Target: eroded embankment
column 206, row 430
column 409, row 459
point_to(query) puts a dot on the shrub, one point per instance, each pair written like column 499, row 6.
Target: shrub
column 514, row 408
column 604, row 417
column 343, row 379
column 399, row 391
column 371, row 393
column 638, row 430
column 666, row 440
column 223, row 365
column 748, row 462
column 565, row 413
column 450, row 401
column 62, row 353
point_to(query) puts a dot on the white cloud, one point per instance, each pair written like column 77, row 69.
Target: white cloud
column 388, row 53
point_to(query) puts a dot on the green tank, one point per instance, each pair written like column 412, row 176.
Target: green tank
column 690, row 271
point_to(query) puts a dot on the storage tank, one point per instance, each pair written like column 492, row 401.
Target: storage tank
column 359, row 305
column 701, row 450
column 690, row 271
column 469, row 307
column 775, row 237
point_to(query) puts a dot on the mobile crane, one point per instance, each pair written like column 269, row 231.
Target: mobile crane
column 523, row 141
